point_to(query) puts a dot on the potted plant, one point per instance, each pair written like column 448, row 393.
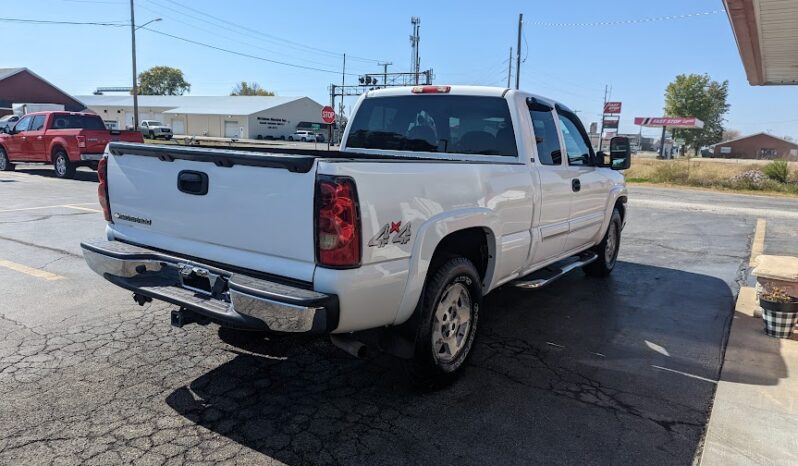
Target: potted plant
column 779, row 312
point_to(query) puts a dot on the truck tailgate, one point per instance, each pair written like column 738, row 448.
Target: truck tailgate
column 256, row 210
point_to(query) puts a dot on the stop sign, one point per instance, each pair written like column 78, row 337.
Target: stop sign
column 328, row 114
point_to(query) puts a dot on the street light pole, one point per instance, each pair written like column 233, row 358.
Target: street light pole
column 135, row 77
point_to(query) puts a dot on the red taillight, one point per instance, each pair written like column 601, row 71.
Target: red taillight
column 431, row 89
column 337, row 223
column 81, row 141
column 102, row 188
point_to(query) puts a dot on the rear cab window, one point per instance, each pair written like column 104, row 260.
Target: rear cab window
column 70, row 121
column 547, row 138
column 450, row 124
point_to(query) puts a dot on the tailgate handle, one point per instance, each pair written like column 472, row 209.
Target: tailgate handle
column 191, row 182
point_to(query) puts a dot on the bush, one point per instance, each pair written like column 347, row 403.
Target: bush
column 751, row 179
column 777, row 170
column 670, row 173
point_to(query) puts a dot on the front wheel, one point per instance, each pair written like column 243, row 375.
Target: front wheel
column 607, row 249
column 63, row 167
column 5, row 164
column 447, row 313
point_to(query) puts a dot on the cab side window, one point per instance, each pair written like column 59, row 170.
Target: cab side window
column 576, row 146
column 546, row 137
column 23, row 124
column 38, row 123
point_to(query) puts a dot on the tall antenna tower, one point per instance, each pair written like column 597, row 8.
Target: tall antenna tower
column 415, row 61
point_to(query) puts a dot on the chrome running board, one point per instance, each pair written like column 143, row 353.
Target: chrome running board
column 545, row 276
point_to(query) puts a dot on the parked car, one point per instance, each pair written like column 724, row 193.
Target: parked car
column 7, row 122
column 320, row 137
column 65, row 139
column 394, row 241
column 154, row 129
column 304, row 136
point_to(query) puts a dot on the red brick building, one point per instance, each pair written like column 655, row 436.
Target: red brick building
column 761, row 146
column 23, row 86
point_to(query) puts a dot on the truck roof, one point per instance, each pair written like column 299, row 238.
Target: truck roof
column 60, row 112
column 483, row 91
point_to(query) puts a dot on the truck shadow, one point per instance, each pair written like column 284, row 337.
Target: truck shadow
column 83, row 174
column 587, row 371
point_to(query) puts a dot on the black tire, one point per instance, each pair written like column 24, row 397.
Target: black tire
column 5, row 164
column 152, row 135
column 434, row 366
column 607, row 256
column 290, row 138
column 62, row 167
column 304, row 140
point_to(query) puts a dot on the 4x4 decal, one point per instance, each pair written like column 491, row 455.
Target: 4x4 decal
column 401, row 234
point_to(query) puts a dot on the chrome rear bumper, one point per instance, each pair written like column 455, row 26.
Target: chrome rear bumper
column 230, row 299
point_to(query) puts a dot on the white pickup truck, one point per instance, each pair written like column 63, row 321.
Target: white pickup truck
column 438, row 195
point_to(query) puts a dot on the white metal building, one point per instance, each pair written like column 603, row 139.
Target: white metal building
column 249, row 117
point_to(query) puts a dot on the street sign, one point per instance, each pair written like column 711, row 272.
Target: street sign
column 328, row 114
column 316, row 126
column 679, row 141
column 671, row 122
column 612, row 107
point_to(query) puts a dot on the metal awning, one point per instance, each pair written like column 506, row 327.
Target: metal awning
column 767, row 36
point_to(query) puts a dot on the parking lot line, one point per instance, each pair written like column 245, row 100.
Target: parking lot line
column 72, row 206
column 758, row 245
column 30, row 271
column 83, row 208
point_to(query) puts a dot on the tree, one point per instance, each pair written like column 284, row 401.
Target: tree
column 163, row 80
column 730, row 134
column 253, row 88
column 696, row 95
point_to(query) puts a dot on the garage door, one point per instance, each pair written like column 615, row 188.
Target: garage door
column 231, row 129
column 178, row 127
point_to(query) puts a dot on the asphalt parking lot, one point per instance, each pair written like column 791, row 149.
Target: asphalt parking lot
column 587, row 371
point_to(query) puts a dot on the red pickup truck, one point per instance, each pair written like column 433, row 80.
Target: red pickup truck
column 65, row 139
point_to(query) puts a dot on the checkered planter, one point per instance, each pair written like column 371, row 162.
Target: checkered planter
column 779, row 318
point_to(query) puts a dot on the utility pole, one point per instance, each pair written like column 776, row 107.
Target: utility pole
column 414, row 42
column 385, row 72
column 343, row 86
column 135, row 77
column 518, row 52
column 601, row 133
column 510, row 68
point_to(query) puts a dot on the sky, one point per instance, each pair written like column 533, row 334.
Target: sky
column 568, row 54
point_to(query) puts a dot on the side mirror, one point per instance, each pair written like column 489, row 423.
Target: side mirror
column 620, row 153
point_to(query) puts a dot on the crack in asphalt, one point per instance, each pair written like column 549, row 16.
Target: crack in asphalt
column 133, row 390
column 39, row 246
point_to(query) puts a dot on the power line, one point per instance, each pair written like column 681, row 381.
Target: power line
column 71, row 23
column 628, row 21
column 246, row 55
column 232, row 39
column 269, row 36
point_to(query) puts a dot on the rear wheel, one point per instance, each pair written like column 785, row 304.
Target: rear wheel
column 447, row 313
column 62, row 166
column 152, row 135
column 5, row 164
column 607, row 249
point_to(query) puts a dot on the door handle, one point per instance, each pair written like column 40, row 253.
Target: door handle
column 39, row 138
column 192, row 182
column 576, row 185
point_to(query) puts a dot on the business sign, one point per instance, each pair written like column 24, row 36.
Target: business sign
column 612, row 107
column 611, row 123
column 671, row 122
column 328, row 114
